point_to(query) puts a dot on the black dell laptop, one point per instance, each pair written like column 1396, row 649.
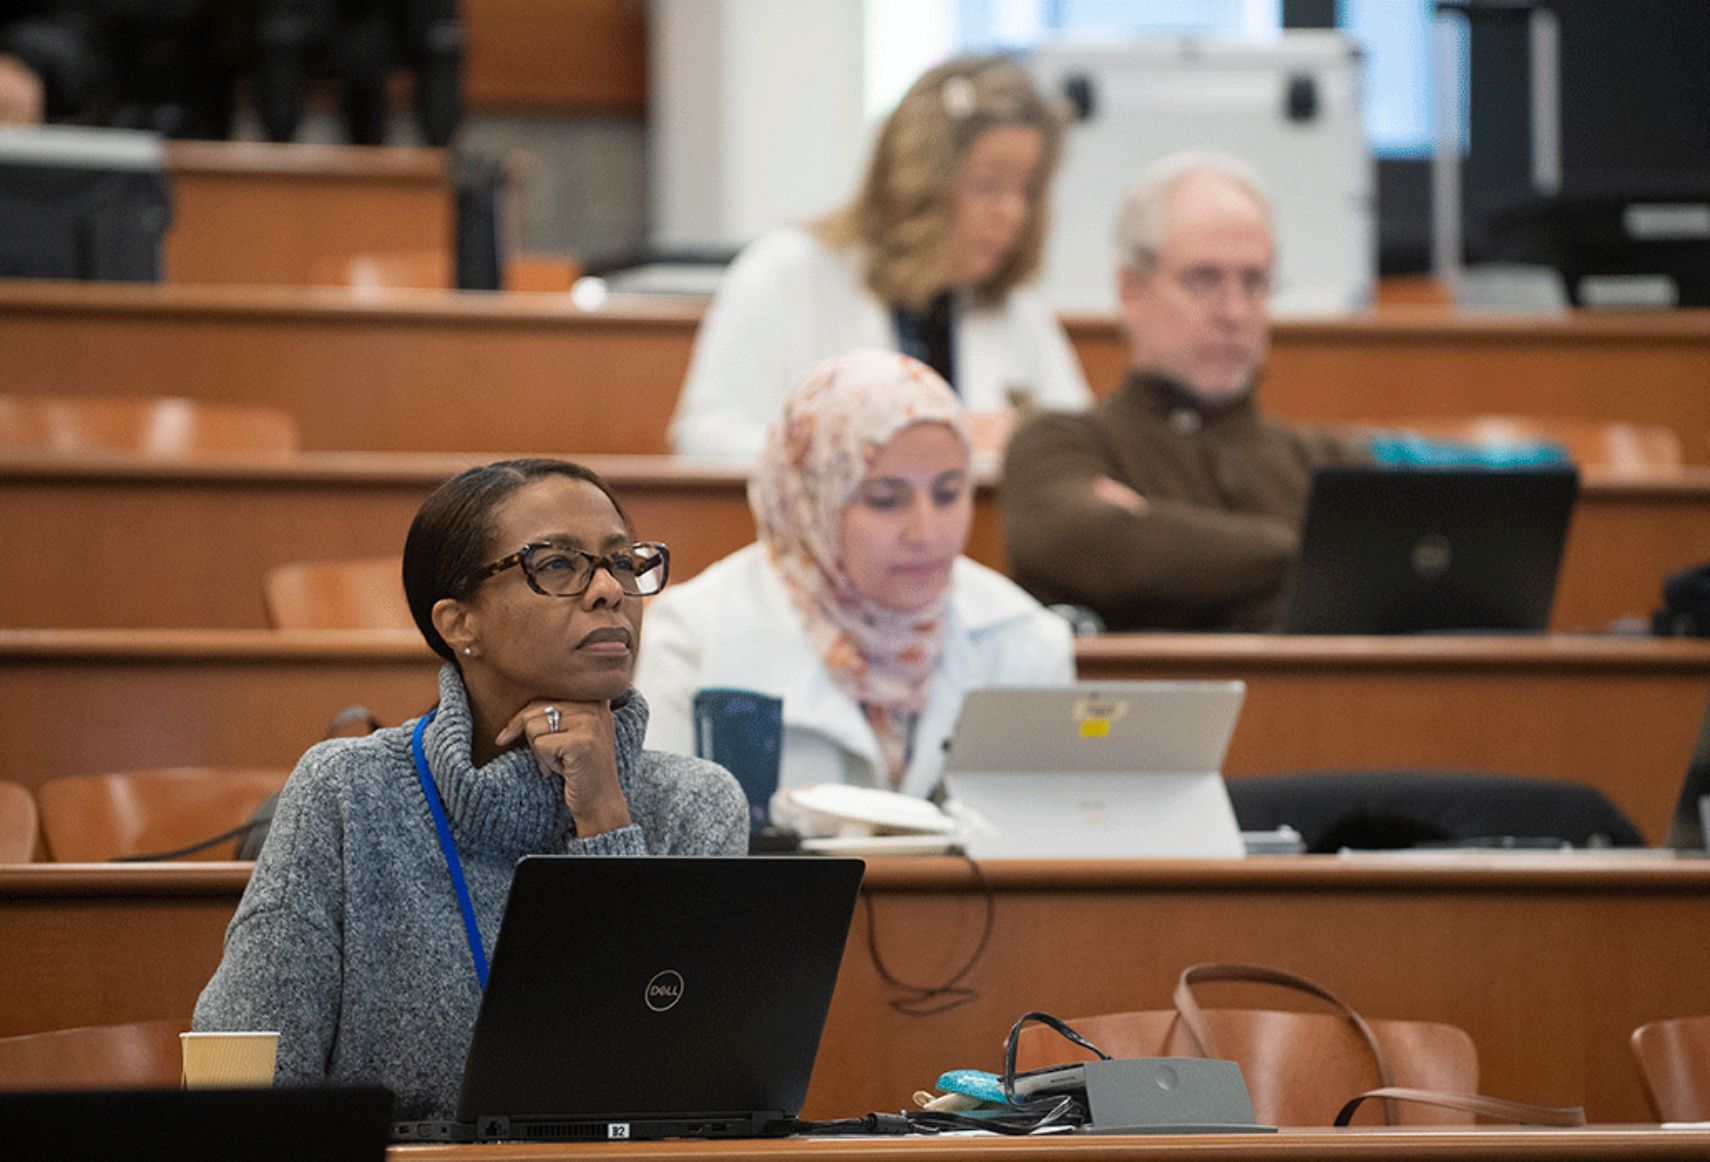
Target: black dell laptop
column 652, row 997
column 1430, row 550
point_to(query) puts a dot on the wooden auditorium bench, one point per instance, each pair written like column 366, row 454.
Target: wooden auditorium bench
column 1548, row 961
column 258, row 213
column 1619, row 715
column 198, row 539
column 442, row 371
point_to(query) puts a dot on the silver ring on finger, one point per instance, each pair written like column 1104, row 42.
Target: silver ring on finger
column 553, row 719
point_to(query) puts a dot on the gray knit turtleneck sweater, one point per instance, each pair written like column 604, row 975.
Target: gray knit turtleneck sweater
column 348, row 940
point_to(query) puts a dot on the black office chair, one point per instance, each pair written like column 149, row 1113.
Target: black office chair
column 359, row 42
column 1382, row 810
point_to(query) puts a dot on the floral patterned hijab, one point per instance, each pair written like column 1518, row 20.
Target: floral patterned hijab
column 817, row 452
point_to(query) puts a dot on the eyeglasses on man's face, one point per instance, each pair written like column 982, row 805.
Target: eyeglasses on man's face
column 559, row 571
column 1205, row 283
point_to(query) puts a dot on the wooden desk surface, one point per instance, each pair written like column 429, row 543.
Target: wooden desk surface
column 1548, row 962
column 261, row 213
column 199, row 537
column 1617, row 714
column 1360, row 1144
column 443, row 371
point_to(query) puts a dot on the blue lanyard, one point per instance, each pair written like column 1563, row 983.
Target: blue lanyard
column 452, row 862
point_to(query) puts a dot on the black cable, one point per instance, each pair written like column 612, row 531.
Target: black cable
column 1064, row 1112
column 1060, row 1112
column 876, row 1123
column 237, row 832
column 1050, row 1112
column 1010, row 1043
column 350, row 715
column 929, row 1000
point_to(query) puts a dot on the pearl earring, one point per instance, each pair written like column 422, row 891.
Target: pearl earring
column 469, row 650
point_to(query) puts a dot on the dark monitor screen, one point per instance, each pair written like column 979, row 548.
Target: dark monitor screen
column 284, row 1124
column 1634, row 247
column 1686, row 831
column 82, row 204
column 1429, row 550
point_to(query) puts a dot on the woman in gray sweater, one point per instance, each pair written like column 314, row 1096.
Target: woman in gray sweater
column 364, row 932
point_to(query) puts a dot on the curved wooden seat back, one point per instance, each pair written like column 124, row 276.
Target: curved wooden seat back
column 425, row 269
column 1300, row 1067
column 20, row 827
column 163, row 428
column 1674, row 1066
column 359, row 594
column 91, row 818
column 139, row 1055
column 435, row 270
column 1634, row 449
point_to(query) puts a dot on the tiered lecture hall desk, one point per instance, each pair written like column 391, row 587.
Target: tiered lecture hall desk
column 1598, row 1144
column 443, row 371
column 1620, row 715
column 264, row 214
column 182, row 619
column 1549, row 962
column 197, row 538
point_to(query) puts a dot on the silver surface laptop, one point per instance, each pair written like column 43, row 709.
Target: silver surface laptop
column 1104, row 770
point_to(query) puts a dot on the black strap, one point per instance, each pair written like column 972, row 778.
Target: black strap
column 930, row 336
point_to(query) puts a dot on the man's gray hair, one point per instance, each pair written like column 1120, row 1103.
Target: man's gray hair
column 1142, row 223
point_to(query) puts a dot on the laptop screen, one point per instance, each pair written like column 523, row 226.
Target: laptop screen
column 328, row 1124
column 655, row 996
column 1686, row 830
column 1388, row 550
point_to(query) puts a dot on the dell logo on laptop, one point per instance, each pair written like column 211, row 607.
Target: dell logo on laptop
column 1432, row 555
column 664, row 990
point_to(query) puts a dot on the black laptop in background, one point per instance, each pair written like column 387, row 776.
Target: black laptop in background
column 1686, row 831
column 288, row 1124
column 653, row 997
column 1430, row 550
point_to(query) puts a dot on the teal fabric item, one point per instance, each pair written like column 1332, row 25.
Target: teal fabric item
column 1407, row 450
column 973, row 1082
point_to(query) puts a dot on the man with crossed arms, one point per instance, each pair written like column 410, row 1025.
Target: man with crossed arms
column 1174, row 504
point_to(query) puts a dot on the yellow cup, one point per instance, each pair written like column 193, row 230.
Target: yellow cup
column 222, row 1060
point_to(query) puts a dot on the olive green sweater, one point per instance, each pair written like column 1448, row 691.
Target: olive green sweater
column 1225, row 489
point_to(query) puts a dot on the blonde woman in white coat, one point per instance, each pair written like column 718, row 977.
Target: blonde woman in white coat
column 929, row 259
column 855, row 607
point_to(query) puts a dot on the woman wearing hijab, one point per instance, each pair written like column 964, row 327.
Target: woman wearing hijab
column 856, row 606
column 930, row 259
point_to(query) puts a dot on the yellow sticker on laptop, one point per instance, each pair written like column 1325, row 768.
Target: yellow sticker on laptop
column 1094, row 715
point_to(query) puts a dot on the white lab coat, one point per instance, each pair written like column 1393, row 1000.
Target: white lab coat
column 734, row 625
column 789, row 301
